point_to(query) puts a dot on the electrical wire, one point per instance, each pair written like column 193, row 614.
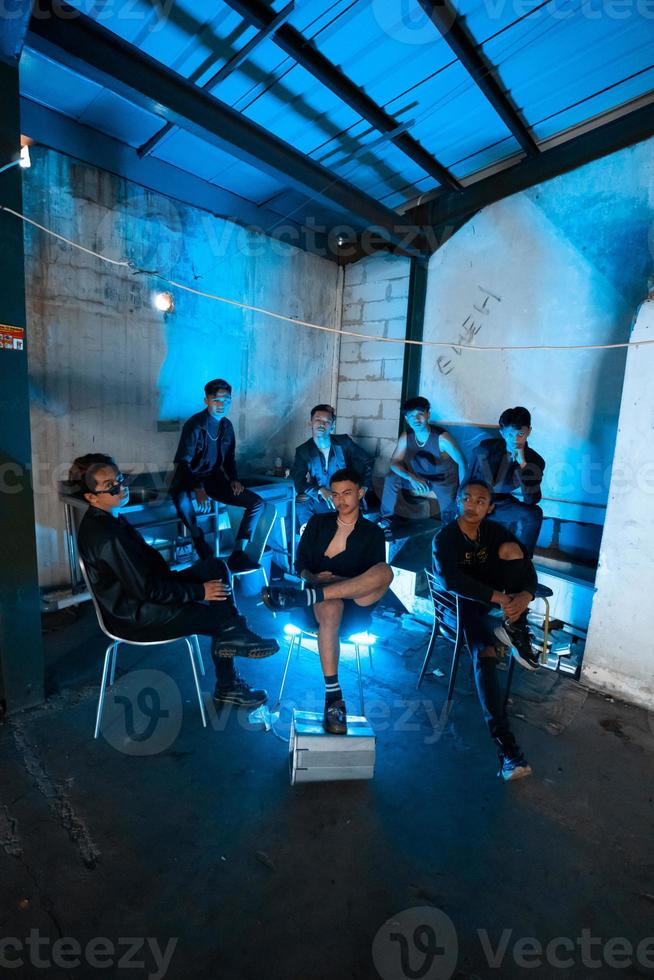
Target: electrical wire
column 505, row 348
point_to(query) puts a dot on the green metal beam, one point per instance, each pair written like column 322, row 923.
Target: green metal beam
column 21, row 652
column 415, row 323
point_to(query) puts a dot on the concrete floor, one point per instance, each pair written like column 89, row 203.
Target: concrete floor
column 203, row 848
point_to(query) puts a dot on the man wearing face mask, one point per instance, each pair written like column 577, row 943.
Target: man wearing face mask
column 142, row 599
column 316, row 461
column 509, row 465
column 206, row 467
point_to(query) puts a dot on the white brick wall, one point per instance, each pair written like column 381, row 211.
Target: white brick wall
column 370, row 374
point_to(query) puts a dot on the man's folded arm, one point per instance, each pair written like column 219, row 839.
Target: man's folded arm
column 127, row 565
column 300, row 473
column 530, row 480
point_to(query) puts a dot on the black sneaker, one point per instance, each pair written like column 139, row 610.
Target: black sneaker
column 238, row 561
column 279, row 600
column 335, row 718
column 239, row 641
column 241, row 694
column 518, row 637
column 513, row 767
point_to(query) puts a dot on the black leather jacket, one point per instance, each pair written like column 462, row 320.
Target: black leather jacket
column 131, row 581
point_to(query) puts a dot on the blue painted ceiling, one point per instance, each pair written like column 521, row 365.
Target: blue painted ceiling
column 562, row 63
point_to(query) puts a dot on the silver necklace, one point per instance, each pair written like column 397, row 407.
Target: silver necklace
column 214, row 438
column 344, row 523
column 421, row 444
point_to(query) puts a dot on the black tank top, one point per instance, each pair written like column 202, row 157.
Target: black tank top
column 429, row 461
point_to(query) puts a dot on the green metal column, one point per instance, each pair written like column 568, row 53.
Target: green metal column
column 21, row 650
column 415, row 322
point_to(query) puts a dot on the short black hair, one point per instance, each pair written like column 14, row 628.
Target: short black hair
column 349, row 474
column 81, row 476
column 471, row 482
column 517, row 418
column 218, row 384
column 324, row 408
column 418, row 404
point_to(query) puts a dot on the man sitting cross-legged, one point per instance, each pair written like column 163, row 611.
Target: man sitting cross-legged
column 341, row 556
column 143, row 600
column 481, row 562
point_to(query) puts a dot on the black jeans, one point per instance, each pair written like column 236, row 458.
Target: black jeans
column 205, row 618
column 395, row 485
column 217, row 487
column 478, row 630
column 523, row 520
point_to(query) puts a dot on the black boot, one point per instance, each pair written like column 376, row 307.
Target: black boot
column 239, row 693
column 236, row 640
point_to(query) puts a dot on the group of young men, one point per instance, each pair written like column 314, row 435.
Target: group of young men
column 341, row 555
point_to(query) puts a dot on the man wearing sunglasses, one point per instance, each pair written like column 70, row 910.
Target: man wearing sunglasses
column 142, row 599
column 206, row 467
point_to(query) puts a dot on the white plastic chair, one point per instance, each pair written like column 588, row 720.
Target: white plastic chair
column 109, row 667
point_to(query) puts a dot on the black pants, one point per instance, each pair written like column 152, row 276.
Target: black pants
column 478, row 630
column 205, row 618
column 395, row 485
column 217, row 487
column 523, row 520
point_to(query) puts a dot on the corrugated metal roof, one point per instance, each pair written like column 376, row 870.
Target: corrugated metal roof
column 561, row 63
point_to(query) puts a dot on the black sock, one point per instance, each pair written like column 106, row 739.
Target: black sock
column 225, row 673
column 332, row 689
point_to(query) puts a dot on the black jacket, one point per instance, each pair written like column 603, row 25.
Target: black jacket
column 131, row 581
column 492, row 465
column 468, row 569
column 310, row 473
column 195, row 450
column 364, row 547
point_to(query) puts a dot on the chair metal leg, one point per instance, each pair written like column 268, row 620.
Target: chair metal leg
column 358, row 656
column 456, row 653
column 198, row 651
column 267, row 583
column 546, row 630
column 370, row 646
column 191, row 653
column 103, row 686
column 288, row 660
column 112, row 669
column 428, row 654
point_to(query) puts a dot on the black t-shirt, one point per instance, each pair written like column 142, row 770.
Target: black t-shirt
column 469, row 568
column 364, row 548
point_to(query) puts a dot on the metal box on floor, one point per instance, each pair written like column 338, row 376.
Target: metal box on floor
column 315, row 756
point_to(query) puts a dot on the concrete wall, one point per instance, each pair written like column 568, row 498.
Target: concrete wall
column 565, row 262
column 375, row 296
column 106, row 368
column 618, row 656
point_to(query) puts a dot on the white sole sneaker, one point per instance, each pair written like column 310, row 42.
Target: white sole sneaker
column 518, row 773
column 502, row 635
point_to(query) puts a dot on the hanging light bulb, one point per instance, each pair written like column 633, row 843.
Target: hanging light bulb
column 164, row 302
column 24, row 159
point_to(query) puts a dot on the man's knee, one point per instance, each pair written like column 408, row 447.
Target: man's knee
column 329, row 612
column 385, row 573
column 510, row 551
